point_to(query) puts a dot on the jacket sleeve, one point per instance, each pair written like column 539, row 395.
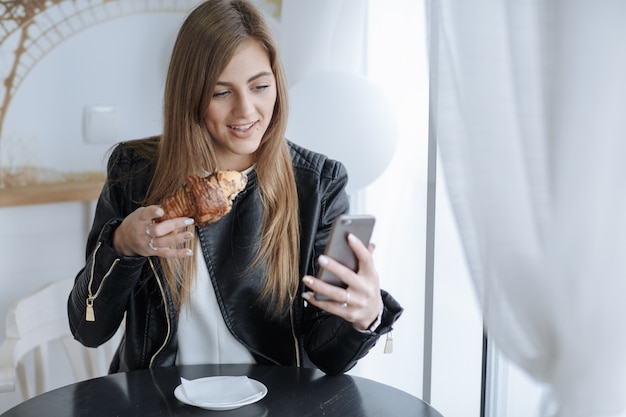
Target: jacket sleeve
column 102, row 288
column 333, row 344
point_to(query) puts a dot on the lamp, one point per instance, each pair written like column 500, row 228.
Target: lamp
column 346, row 117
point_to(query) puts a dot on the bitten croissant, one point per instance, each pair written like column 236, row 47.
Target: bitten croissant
column 205, row 199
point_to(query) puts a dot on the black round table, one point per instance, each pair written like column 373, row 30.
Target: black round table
column 296, row 392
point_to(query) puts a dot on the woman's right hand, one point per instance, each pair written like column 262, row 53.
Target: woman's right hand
column 140, row 235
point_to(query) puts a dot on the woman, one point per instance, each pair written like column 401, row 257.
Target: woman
column 229, row 292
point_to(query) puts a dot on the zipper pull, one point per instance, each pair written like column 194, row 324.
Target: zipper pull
column 389, row 343
column 89, row 314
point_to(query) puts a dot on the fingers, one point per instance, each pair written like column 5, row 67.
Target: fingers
column 150, row 213
column 357, row 306
column 365, row 263
column 169, row 245
column 358, row 303
column 140, row 235
column 162, row 231
column 363, row 254
column 341, row 301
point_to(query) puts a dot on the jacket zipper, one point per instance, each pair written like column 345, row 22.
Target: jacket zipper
column 293, row 331
column 89, row 313
column 167, row 316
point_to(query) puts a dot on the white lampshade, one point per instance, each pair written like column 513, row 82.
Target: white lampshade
column 346, row 117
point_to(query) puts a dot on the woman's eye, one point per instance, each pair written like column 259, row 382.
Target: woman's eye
column 261, row 87
column 220, row 94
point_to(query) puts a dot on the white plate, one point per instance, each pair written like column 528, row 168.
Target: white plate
column 261, row 389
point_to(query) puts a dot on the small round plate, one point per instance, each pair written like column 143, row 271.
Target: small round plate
column 261, row 389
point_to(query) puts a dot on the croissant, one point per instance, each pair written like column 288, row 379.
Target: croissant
column 205, row 199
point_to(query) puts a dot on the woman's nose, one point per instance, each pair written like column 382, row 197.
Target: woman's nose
column 245, row 105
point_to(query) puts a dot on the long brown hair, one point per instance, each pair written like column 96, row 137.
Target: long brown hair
column 206, row 42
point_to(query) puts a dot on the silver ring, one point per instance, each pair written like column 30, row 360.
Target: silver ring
column 151, row 244
column 148, row 232
column 345, row 303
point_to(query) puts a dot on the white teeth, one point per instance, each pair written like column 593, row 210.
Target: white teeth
column 242, row 128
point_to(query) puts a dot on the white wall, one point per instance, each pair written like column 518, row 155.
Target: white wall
column 122, row 63
column 397, row 64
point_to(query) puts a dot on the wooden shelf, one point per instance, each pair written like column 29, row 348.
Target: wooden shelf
column 50, row 193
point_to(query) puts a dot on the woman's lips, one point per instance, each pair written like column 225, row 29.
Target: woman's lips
column 241, row 128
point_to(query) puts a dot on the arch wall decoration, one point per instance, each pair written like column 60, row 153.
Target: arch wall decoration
column 29, row 30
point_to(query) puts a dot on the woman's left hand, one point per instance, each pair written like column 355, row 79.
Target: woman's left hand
column 360, row 302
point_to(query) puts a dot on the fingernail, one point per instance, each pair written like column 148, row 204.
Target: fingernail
column 188, row 222
column 306, row 296
column 160, row 212
column 323, row 260
column 307, row 280
column 352, row 238
column 188, row 253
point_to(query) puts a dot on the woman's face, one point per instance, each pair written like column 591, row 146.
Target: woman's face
column 241, row 107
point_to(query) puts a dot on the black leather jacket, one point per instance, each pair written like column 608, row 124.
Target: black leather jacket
column 115, row 289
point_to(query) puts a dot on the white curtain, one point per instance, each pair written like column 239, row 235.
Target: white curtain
column 530, row 109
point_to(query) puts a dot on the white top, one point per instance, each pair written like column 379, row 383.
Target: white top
column 203, row 337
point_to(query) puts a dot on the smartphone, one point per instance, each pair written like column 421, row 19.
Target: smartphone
column 360, row 225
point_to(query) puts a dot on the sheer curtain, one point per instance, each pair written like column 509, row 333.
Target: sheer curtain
column 531, row 104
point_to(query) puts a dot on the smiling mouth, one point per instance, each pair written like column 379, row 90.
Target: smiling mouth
column 241, row 128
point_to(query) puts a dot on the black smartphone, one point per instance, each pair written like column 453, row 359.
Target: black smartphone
column 360, row 225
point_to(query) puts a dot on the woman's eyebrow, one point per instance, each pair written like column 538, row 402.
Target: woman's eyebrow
column 254, row 77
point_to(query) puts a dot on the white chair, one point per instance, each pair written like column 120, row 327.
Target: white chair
column 33, row 324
